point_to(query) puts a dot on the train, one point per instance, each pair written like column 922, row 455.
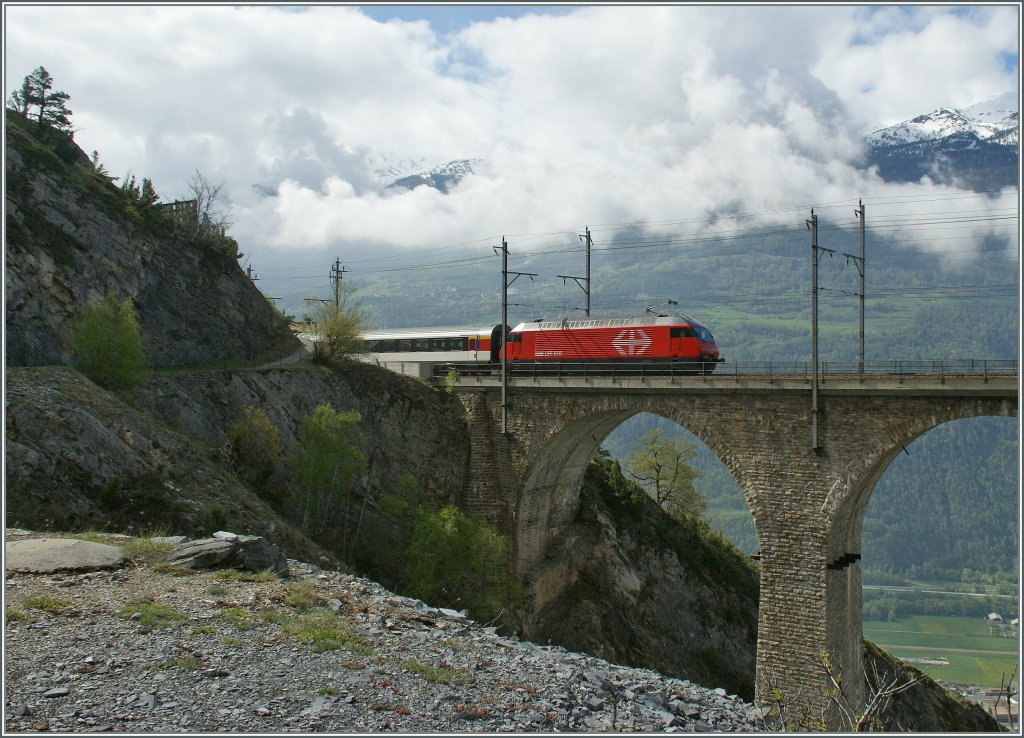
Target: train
column 667, row 341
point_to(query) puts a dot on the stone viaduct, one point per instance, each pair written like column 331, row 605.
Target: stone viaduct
column 808, row 504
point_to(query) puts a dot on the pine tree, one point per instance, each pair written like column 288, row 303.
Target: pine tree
column 36, row 97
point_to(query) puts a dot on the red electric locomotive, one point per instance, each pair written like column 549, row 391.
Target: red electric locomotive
column 670, row 340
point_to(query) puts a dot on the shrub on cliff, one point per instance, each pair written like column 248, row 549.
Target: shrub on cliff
column 337, row 334
column 108, row 344
column 327, row 459
column 257, row 449
column 458, row 561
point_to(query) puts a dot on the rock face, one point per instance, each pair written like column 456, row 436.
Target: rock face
column 628, row 589
column 70, row 239
column 79, row 457
column 407, row 427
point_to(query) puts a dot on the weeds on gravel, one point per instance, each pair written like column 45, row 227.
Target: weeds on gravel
column 189, row 663
column 165, row 567
column 200, row 630
column 225, row 575
column 470, row 712
column 95, row 536
column 238, row 617
column 456, row 645
column 324, row 630
column 328, row 691
column 216, row 590
column 147, row 549
column 153, row 614
column 52, row 605
column 231, row 641
column 267, row 575
column 300, row 595
column 13, row 615
column 445, row 674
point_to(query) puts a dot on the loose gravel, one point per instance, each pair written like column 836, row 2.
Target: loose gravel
column 146, row 650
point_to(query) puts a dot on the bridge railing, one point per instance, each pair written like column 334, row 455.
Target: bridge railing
column 890, row 367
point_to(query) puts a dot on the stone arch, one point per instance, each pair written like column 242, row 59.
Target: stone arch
column 848, row 500
column 851, row 499
column 550, row 489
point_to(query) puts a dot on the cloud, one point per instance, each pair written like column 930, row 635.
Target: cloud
column 602, row 114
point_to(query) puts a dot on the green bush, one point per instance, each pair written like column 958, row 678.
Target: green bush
column 458, row 561
column 327, row 458
column 337, row 334
column 256, row 447
column 108, row 344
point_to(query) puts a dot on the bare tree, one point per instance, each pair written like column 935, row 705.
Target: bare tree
column 212, row 220
column 796, row 713
column 210, row 217
column 882, row 687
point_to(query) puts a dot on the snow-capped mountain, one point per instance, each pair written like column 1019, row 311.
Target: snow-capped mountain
column 974, row 146
column 441, row 177
column 995, row 120
column 384, row 170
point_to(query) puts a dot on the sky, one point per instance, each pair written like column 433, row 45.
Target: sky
column 573, row 115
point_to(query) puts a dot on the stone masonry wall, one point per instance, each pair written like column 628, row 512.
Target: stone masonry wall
column 807, row 506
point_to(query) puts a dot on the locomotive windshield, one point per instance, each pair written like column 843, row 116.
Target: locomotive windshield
column 703, row 333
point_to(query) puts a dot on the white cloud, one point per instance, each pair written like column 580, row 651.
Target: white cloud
column 604, row 114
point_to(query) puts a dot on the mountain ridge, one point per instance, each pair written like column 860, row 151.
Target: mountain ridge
column 994, row 120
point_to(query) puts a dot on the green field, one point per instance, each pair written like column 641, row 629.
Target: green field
column 975, row 656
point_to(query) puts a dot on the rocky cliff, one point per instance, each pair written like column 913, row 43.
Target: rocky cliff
column 71, row 237
column 79, row 457
column 628, row 584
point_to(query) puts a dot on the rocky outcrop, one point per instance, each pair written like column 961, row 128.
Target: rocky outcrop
column 407, row 427
column 230, row 550
column 79, row 457
column 926, row 706
column 71, row 238
column 628, row 585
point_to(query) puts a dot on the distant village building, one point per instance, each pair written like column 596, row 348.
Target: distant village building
column 999, row 627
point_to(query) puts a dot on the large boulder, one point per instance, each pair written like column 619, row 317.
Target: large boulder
column 223, row 549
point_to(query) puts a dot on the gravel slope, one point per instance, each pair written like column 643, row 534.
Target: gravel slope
column 320, row 651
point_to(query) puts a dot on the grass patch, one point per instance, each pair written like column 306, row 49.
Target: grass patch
column 444, row 674
column 201, row 630
column 153, row 614
column 328, row 691
column 241, row 619
column 975, row 656
column 231, row 641
column 52, row 605
column 164, row 567
column 225, row 575
column 146, row 549
column 456, row 645
column 324, row 630
column 189, row 663
column 95, row 536
column 267, row 575
column 301, row 596
column 13, row 615
column 216, row 590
